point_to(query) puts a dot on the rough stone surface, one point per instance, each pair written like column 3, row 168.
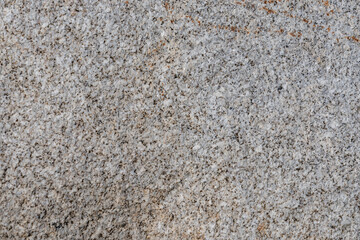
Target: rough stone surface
column 179, row 119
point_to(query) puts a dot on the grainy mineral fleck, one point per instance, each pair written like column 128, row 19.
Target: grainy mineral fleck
column 164, row 119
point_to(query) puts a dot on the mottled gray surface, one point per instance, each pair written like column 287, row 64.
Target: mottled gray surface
column 179, row 119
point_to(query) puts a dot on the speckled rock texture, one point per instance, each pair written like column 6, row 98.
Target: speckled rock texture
column 179, row 119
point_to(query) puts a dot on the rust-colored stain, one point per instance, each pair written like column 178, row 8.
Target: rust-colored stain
column 262, row 227
column 353, row 38
column 288, row 14
column 270, row 11
column 126, row 2
column 256, row 31
column 271, row 1
column 295, row 34
column 329, row 13
column 189, row 17
column 229, row 28
column 166, row 5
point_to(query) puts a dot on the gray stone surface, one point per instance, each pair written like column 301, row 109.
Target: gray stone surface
column 179, row 119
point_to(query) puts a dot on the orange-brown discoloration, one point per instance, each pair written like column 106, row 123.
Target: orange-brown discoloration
column 295, row 34
column 262, row 227
column 166, row 5
column 353, row 38
column 326, row 3
column 126, row 2
column 269, row 10
column 256, row 31
column 189, row 17
column 231, row 28
column 329, row 13
column 272, row 1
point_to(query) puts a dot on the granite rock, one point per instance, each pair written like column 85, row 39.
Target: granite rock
column 179, row 119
